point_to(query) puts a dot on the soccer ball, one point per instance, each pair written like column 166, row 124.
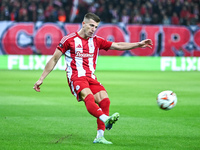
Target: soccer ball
column 166, row 100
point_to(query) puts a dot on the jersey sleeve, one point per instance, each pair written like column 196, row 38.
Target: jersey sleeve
column 63, row 46
column 104, row 44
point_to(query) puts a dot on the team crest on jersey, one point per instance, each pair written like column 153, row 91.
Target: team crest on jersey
column 79, row 54
column 77, row 87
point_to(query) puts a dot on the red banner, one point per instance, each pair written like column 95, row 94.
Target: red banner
column 42, row 38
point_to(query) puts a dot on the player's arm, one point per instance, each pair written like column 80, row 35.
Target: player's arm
column 48, row 68
column 128, row 46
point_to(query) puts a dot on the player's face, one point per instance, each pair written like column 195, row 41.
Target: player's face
column 89, row 27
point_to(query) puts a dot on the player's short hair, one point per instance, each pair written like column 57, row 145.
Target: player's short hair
column 92, row 16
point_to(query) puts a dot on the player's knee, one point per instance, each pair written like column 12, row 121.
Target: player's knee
column 84, row 93
column 105, row 101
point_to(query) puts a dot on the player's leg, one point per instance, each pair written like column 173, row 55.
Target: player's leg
column 80, row 88
column 90, row 104
column 101, row 98
column 96, row 111
column 84, row 88
column 104, row 103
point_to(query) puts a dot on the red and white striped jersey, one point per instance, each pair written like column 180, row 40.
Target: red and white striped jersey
column 81, row 54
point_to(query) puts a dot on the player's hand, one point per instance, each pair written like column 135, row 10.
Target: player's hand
column 37, row 85
column 146, row 43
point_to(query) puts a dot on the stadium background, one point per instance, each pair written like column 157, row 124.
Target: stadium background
column 33, row 28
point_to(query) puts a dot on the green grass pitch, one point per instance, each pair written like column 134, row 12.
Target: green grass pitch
column 54, row 120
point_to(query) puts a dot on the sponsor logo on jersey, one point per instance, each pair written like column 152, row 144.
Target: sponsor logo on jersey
column 79, row 54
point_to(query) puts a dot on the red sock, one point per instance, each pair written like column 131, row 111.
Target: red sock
column 104, row 105
column 92, row 107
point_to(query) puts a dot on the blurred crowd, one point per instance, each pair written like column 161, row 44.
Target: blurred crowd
column 175, row 12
